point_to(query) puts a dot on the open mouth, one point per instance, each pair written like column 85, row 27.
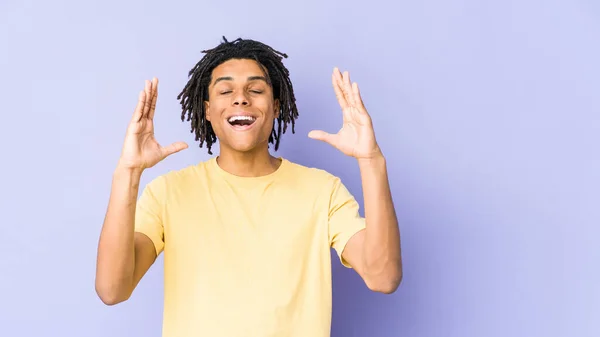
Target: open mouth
column 241, row 121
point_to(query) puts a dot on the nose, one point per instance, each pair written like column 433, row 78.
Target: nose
column 240, row 99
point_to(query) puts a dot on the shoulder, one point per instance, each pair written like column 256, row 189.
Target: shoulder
column 318, row 183
column 312, row 176
column 304, row 170
column 176, row 178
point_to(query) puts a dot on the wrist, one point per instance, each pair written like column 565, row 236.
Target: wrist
column 127, row 171
column 128, row 179
column 376, row 158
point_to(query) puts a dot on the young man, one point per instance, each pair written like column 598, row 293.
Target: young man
column 246, row 235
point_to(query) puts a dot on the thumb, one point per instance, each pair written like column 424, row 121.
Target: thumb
column 322, row 136
column 174, row 148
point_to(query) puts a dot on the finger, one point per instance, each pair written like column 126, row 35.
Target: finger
column 154, row 98
column 335, row 81
column 139, row 108
column 358, row 98
column 174, row 148
column 148, row 100
column 322, row 136
column 347, row 88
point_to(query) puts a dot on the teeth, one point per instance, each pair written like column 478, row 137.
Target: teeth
column 240, row 118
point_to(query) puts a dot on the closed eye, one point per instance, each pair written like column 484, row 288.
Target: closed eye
column 252, row 91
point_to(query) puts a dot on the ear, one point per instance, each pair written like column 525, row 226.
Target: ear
column 277, row 108
column 207, row 110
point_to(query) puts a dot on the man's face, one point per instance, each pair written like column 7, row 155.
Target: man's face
column 241, row 108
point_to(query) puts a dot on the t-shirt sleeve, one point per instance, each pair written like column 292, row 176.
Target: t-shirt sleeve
column 344, row 218
column 149, row 213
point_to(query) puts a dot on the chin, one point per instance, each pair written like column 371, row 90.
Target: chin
column 245, row 146
column 244, row 142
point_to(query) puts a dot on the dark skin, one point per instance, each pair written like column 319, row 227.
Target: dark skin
column 239, row 87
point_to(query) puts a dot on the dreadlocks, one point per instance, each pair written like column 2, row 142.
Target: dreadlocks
column 196, row 90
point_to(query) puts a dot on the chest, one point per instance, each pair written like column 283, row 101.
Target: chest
column 239, row 226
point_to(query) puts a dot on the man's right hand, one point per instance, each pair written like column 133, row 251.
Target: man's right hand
column 141, row 150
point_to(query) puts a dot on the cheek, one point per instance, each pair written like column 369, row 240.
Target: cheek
column 215, row 110
column 269, row 108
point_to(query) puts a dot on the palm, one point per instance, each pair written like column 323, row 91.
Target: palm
column 356, row 138
column 142, row 147
column 141, row 150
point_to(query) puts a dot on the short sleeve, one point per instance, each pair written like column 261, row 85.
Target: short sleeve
column 344, row 218
column 148, row 214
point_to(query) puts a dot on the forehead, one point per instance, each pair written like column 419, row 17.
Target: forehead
column 237, row 68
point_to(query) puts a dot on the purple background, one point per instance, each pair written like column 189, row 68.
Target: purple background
column 488, row 113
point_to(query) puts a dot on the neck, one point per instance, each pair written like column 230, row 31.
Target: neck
column 255, row 163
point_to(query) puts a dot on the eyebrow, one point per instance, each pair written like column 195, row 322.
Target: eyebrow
column 250, row 78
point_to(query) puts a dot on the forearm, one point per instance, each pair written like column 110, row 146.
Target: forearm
column 381, row 249
column 116, row 252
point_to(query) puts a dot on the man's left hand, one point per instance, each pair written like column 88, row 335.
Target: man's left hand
column 356, row 138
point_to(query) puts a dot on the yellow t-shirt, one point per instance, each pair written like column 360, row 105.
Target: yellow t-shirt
column 247, row 257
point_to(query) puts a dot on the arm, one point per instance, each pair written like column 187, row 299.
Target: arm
column 375, row 252
column 123, row 256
